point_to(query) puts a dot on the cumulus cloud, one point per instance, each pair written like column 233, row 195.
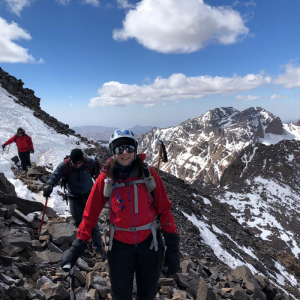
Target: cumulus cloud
column 291, row 78
column 248, row 98
column 92, row 2
column 124, row 4
column 278, row 97
column 16, row 6
column 176, row 26
column 176, row 87
column 149, row 105
column 63, row 2
column 9, row 51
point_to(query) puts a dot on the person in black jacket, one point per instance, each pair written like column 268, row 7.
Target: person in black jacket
column 78, row 172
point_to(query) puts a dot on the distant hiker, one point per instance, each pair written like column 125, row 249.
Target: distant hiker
column 24, row 145
column 137, row 201
column 77, row 171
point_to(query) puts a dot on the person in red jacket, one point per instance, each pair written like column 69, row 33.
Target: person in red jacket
column 24, row 145
column 139, row 206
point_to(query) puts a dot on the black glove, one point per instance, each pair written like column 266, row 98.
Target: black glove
column 47, row 190
column 172, row 255
column 3, row 146
column 71, row 255
column 32, row 151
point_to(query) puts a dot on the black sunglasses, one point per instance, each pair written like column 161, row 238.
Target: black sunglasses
column 120, row 150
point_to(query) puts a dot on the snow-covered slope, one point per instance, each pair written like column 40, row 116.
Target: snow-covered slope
column 200, row 149
column 50, row 147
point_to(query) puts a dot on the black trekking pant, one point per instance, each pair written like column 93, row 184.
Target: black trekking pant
column 124, row 260
column 25, row 160
column 77, row 205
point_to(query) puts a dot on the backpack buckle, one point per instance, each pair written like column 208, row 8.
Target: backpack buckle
column 132, row 229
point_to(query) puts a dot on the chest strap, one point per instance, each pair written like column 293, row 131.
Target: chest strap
column 153, row 226
column 136, row 199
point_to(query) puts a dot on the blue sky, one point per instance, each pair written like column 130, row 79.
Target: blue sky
column 151, row 62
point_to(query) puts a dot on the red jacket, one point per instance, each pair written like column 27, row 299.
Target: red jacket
column 126, row 217
column 24, row 142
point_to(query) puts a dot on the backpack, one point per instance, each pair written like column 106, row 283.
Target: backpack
column 26, row 136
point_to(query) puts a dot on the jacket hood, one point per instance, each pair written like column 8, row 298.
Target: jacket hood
column 104, row 169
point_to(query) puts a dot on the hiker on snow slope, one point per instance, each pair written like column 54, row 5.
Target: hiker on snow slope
column 136, row 244
column 24, row 145
column 77, row 171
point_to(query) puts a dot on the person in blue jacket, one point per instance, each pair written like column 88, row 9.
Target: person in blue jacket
column 78, row 171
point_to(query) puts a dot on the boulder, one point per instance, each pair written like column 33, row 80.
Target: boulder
column 6, row 187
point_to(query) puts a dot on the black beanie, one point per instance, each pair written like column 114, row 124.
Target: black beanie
column 20, row 130
column 123, row 141
column 76, row 155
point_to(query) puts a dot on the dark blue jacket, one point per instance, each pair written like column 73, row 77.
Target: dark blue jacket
column 80, row 181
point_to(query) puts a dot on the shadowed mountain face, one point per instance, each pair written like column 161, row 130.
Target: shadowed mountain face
column 202, row 148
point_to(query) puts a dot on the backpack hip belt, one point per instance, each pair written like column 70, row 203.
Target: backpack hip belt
column 153, row 226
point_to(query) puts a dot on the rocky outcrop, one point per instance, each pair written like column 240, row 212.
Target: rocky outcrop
column 6, row 187
column 298, row 123
column 201, row 148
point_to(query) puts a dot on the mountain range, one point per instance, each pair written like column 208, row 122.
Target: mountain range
column 102, row 133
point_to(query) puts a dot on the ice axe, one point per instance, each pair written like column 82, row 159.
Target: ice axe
column 8, row 148
column 162, row 153
column 43, row 215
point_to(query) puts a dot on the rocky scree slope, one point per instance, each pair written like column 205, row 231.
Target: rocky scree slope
column 201, row 148
column 240, row 267
column 261, row 189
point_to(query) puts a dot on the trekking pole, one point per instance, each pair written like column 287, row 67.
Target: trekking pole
column 43, row 215
column 8, row 148
column 67, row 268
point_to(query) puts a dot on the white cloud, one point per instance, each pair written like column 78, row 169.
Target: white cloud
column 92, row 2
column 247, row 4
column 9, row 51
column 278, row 97
column 164, row 104
column 70, row 97
column 16, row 6
column 124, row 4
column 149, row 105
column 41, row 61
column 71, row 104
column 63, row 2
column 176, row 87
column 247, row 98
column 176, row 26
column 291, row 78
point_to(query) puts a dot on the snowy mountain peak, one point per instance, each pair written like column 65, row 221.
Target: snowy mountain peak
column 201, row 148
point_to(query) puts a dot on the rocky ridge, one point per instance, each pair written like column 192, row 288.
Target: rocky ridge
column 27, row 98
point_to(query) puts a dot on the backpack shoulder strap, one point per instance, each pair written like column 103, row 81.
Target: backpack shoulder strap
column 149, row 182
column 68, row 168
column 16, row 138
column 86, row 164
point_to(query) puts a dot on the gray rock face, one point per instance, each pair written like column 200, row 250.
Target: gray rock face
column 6, row 187
column 201, row 148
column 62, row 233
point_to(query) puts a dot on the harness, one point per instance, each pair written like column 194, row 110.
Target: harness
column 149, row 181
